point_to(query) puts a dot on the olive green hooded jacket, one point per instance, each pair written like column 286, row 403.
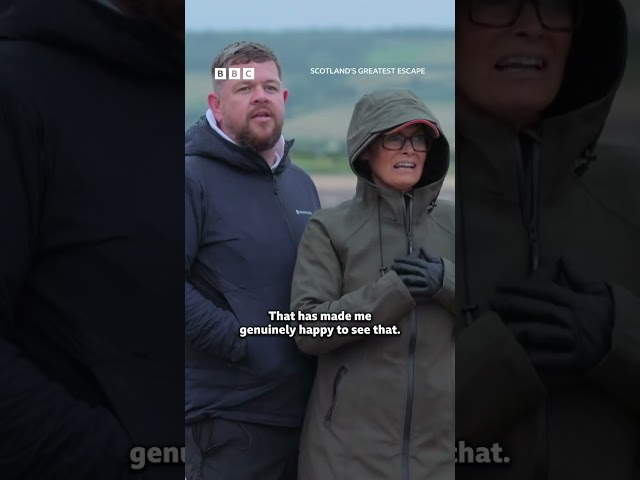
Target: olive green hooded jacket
column 381, row 407
column 587, row 210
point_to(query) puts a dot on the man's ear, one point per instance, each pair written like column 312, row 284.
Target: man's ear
column 285, row 95
column 213, row 100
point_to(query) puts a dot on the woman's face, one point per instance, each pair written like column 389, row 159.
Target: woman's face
column 512, row 72
column 397, row 169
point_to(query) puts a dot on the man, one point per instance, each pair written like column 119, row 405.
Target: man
column 90, row 353
column 547, row 359
column 246, row 207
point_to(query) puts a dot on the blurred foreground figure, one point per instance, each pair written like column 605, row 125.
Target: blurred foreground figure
column 548, row 353
column 91, row 354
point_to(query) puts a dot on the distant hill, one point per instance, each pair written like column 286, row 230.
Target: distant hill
column 319, row 106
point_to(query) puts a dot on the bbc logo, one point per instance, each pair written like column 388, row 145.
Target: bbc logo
column 234, row 73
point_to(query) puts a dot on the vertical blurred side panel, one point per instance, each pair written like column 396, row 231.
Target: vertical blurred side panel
column 91, row 195
column 548, row 219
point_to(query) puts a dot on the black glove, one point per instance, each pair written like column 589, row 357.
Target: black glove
column 422, row 274
column 562, row 320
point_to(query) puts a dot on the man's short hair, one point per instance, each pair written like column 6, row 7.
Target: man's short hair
column 240, row 53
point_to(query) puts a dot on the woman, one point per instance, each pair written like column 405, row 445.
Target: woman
column 382, row 404
column 548, row 354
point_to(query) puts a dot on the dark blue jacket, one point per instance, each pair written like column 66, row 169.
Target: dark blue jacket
column 243, row 223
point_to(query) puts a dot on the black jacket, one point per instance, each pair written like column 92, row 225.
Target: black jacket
column 91, row 104
column 243, row 223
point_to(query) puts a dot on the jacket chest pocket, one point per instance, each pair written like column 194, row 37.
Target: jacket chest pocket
column 336, row 392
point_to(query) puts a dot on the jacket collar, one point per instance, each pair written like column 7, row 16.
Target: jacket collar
column 392, row 202
column 279, row 150
column 202, row 140
column 564, row 144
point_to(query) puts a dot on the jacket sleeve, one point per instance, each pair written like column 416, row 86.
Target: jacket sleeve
column 40, row 419
column 317, row 288
column 496, row 384
column 207, row 327
column 446, row 296
column 619, row 372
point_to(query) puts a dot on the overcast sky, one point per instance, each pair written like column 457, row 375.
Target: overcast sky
column 296, row 14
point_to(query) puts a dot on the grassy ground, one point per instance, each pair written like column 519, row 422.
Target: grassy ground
column 321, row 165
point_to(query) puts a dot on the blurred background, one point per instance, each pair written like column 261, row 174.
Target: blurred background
column 622, row 125
column 332, row 34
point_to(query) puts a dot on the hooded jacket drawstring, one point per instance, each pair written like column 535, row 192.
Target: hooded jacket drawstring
column 383, row 269
column 469, row 309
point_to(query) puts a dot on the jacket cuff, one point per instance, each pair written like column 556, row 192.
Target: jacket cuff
column 619, row 370
column 446, row 296
column 495, row 381
column 239, row 351
column 401, row 297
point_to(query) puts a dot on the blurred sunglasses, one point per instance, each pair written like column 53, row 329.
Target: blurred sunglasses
column 554, row 15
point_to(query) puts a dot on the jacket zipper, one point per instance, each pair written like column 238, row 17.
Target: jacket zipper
column 406, row 437
column 336, row 382
column 529, row 207
column 284, row 212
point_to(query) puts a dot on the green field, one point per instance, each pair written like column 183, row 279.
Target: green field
column 321, row 165
column 320, row 106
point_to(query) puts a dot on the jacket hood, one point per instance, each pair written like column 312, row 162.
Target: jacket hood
column 97, row 30
column 203, row 141
column 571, row 126
column 384, row 110
column 596, row 62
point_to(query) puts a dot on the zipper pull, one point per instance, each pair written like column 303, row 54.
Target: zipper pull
column 275, row 184
column 534, row 247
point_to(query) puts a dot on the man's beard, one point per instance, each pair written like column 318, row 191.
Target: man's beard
column 259, row 143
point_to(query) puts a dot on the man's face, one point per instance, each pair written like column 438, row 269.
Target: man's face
column 513, row 72
column 251, row 112
column 397, row 169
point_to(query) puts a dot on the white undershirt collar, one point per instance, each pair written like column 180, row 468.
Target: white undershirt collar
column 279, row 147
